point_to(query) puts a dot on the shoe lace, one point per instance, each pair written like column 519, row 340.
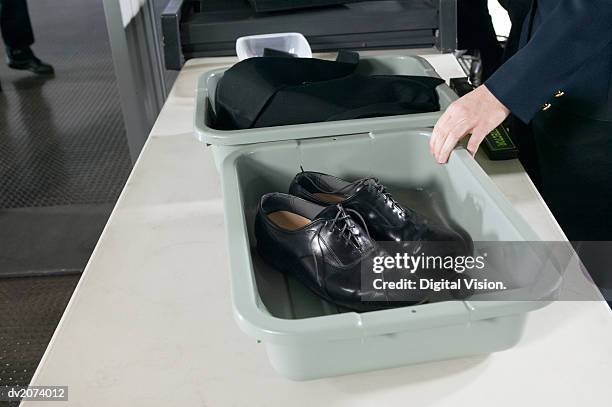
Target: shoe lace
column 380, row 189
column 344, row 225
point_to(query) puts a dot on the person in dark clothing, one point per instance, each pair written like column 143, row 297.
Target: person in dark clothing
column 517, row 11
column 17, row 34
column 475, row 31
column 559, row 82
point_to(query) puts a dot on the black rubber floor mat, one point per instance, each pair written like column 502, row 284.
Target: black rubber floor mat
column 62, row 139
column 31, row 308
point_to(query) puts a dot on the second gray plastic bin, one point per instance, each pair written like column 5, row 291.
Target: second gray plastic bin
column 307, row 338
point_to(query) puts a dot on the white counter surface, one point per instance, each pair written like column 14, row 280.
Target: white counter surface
column 150, row 323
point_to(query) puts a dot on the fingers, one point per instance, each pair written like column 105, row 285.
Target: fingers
column 456, row 131
column 450, row 128
column 439, row 132
column 476, row 138
column 478, row 135
column 477, row 113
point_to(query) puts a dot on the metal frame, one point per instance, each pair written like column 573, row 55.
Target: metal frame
column 447, row 31
column 137, row 58
column 171, row 34
column 445, row 36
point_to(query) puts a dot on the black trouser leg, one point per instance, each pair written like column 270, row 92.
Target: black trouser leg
column 15, row 24
column 576, row 171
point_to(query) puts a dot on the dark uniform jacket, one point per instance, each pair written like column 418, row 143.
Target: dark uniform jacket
column 565, row 60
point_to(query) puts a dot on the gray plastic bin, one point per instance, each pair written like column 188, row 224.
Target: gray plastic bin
column 307, row 338
column 375, row 65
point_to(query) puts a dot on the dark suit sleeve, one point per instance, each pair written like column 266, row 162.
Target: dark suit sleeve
column 566, row 38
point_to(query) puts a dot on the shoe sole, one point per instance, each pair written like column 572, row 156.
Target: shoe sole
column 20, row 67
column 271, row 256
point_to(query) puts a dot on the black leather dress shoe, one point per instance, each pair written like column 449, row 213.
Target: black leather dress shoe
column 386, row 219
column 325, row 249
column 25, row 60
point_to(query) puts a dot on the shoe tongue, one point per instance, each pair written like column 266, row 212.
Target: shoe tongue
column 359, row 186
column 366, row 183
column 332, row 211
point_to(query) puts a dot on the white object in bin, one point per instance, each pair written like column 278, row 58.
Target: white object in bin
column 254, row 45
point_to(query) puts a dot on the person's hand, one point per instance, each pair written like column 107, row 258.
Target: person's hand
column 477, row 114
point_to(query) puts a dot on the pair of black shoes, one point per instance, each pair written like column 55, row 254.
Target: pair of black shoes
column 325, row 232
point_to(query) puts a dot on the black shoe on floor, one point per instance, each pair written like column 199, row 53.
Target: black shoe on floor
column 325, row 248
column 387, row 220
column 25, row 60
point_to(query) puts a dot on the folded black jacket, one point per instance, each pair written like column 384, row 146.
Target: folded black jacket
column 275, row 91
